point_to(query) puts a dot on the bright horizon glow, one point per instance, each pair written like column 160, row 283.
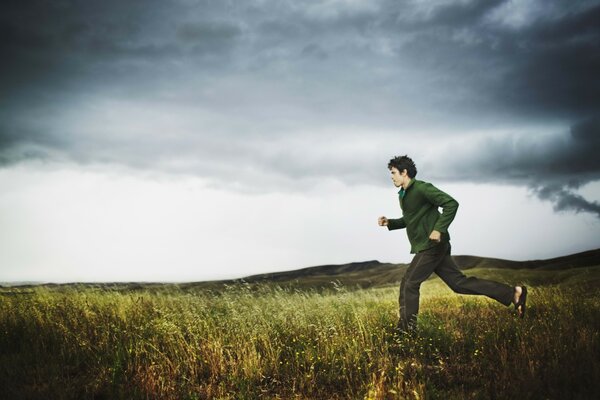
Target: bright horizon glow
column 69, row 224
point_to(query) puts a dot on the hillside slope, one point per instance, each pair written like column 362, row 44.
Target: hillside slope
column 581, row 267
column 376, row 274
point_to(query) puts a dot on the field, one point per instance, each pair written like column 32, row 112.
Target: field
column 264, row 341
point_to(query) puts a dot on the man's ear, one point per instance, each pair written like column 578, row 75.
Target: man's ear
column 404, row 172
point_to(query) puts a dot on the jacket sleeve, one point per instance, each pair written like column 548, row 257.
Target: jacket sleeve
column 396, row 224
column 443, row 200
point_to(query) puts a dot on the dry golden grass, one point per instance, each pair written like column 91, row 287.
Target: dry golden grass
column 267, row 342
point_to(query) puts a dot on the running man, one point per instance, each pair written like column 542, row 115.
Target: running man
column 427, row 231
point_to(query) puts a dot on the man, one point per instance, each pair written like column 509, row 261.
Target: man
column 427, row 231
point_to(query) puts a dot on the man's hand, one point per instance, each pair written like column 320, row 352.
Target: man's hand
column 435, row 236
column 383, row 221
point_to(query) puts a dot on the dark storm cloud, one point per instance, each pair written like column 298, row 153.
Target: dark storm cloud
column 458, row 13
column 571, row 158
column 546, row 67
column 577, row 162
column 552, row 167
column 565, row 200
column 203, row 86
column 46, row 45
column 559, row 66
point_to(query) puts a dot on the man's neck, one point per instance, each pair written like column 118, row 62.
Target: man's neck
column 406, row 183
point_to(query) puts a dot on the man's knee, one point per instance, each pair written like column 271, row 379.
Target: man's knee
column 409, row 285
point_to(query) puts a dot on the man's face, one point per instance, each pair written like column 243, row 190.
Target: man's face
column 399, row 178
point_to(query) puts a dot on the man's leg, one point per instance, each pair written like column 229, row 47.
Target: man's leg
column 421, row 267
column 448, row 271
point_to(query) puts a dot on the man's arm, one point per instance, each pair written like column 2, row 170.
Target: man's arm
column 443, row 200
column 396, row 224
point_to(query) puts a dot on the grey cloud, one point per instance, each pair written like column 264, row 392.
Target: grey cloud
column 559, row 66
column 460, row 13
column 198, row 32
column 251, row 82
column 553, row 168
column 546, row 68
column 92, row 44
column 564, row 200
column 314, row 50
column 586, row 138
column 570, row 157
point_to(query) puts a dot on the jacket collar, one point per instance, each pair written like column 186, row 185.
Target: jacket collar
column 402, row 191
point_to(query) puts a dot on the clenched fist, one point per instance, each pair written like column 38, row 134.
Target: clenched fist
column 383, row 221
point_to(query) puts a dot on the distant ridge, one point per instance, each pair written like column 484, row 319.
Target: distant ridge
column 357, row 274
column 584, row 259
column 331, row 270
column 374, row 273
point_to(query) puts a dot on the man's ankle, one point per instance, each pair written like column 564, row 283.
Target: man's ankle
column 517, row 295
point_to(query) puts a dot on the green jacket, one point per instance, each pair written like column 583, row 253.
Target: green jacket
column 420, row 215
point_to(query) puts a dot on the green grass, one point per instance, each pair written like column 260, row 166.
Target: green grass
column 249, row 342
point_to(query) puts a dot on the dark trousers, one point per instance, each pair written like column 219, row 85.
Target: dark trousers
column 437, row 259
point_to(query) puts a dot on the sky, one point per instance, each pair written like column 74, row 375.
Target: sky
column 183, row 140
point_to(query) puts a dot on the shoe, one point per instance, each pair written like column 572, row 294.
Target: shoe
column 522, row 302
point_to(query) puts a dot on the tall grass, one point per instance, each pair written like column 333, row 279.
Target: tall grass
column 268, row 342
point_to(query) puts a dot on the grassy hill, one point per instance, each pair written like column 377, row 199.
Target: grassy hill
column 581, row 268
column 260, row 337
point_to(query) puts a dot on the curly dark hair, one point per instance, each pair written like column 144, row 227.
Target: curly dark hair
column 404, row 163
